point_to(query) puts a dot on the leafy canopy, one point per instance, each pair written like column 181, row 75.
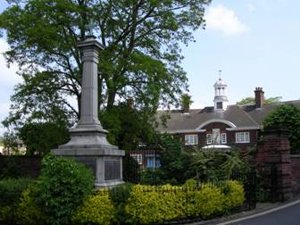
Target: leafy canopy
column 140, row 60
column 286, row 117
column 251, row 100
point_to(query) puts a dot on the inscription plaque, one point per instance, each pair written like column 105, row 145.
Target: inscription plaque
column 112, row 169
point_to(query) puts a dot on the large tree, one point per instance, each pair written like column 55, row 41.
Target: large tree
column 141, row 57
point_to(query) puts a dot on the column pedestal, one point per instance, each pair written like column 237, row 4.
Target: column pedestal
column 88, row 142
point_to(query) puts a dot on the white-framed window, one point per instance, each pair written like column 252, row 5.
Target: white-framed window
column 138, row 158
column 216, row 136
column 242, row 137
column 223, row 138
column 209, row 139
column 191, row 139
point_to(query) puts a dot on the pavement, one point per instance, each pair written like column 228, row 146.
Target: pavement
column 261, row 209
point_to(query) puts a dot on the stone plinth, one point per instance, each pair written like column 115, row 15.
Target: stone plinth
column 88, row 142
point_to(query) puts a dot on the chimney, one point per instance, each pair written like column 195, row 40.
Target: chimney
column 259, row 97
column 186, row 108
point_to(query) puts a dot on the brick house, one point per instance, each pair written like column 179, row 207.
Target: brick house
column 220, row 126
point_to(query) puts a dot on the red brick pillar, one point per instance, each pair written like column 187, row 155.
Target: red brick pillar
column 274, row 162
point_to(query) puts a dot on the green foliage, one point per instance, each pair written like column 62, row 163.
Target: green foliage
column 10, row 193
column 213, row 165
column 174, row 161
column 234, row 162
column 140, row 60
column 61, row 188
column 190, row 184
column 186, row 101
column 251, row 100
column 97, row 209
column 11, row 189
column 120, row 193
column 209, row 201
column 128, row 127
column 205, row 163
column 234, row 194
column 286, row 117
column 142, row 203
column 40, row 138
column 27, row 212
column 119, row 196
column 10, row 168
column 150, row 204
column 153, row 176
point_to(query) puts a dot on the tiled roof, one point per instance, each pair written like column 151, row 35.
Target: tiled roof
column 240, row 116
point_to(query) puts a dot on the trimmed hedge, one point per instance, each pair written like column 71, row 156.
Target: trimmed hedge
column 144, row 204
column 97, row 209
column 150, row 204
column 10, row 193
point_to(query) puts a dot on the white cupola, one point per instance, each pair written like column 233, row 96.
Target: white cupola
column 220, row 99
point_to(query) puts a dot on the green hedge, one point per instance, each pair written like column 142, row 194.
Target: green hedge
column 97, row 209
column 10, row 193
column 144, row 204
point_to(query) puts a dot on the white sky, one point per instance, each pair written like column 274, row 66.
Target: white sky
column 256, row 43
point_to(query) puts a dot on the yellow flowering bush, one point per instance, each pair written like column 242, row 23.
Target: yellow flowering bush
column 171, row 202
column 143, row 205
column 234, row 194
column 209, row 201
column 97, row 209
column 27, row 212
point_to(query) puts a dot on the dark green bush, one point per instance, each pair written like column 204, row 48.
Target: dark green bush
column 61, row 188
column 10, row 168
column 10, row 192
column 119, row 196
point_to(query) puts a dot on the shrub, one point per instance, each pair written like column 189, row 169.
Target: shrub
column 209, row 201
column 10, row 168
column 143, row 205
column 234, row 194
column 61, row 188
column 190, row 184
column 119, row 196
column 97, row 209
column 149, row 204
column 171, row 202
column 27, row 212
column 10, row 192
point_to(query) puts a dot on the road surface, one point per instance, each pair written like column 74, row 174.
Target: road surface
column 284, row 216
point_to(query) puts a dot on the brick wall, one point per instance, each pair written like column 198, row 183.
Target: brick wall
column 20, row 166
column 295, row 160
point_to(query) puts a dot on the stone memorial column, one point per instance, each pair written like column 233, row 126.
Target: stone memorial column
column 88, row 142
